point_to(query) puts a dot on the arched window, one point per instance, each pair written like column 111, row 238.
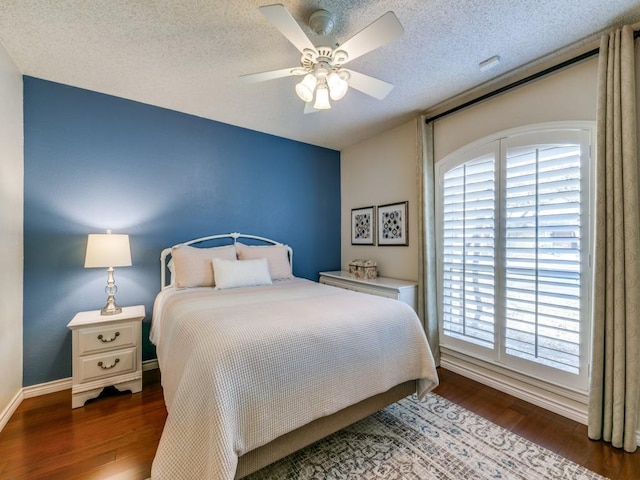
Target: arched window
column 514, row 236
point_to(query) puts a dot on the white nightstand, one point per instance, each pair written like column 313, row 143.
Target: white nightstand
column 402, row 290
column 107, row 350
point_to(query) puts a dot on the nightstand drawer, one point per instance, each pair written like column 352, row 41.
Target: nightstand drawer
column 106, row 365
column 92, row 340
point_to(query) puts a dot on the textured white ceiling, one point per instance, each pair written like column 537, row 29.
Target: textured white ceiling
column 187, row 55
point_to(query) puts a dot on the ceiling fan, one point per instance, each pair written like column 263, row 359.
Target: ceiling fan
column 322, row 63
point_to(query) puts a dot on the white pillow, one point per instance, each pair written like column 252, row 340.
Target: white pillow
column 241, row 273
column 192, row 265
column 277, row 256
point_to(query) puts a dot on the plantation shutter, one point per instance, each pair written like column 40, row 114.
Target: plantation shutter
column 468, row 262
column 543, row 254
column 513, row 253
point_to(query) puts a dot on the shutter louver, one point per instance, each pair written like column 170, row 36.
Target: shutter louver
column 542, row 250
column 469, row 251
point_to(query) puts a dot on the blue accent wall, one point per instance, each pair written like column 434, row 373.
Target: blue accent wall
column 95, row 162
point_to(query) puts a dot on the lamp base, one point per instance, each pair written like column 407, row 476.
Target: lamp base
column 111, row 308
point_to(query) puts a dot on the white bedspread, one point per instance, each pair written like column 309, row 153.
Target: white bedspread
column 243, row 366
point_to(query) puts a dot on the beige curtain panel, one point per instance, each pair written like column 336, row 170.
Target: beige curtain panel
column 427, row 280
column 615, row 374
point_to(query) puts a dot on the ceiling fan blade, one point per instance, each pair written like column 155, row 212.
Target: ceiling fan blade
column 369, row 85
column 308, row 108
column 382, row 31
column 264, row 76
column 283, row 21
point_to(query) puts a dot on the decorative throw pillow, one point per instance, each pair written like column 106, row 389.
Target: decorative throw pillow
column 277, row 256
column 192, row 265
column 241, row 273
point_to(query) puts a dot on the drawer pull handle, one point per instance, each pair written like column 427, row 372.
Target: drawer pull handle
column 107, row 367
column 107, row 340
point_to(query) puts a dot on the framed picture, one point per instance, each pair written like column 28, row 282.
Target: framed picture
column 393, row 224
column 363, row 226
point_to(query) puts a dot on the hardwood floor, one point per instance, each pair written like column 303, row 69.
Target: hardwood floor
column 552, row 431
column 112, row 437
column 116, row 436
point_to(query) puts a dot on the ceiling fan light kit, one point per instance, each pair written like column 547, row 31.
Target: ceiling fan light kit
column 322, row 98
column 306, row 87
column 323, row 74
column 338, row 85
column 322, row 65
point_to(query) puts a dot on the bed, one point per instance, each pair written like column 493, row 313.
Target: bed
column 257, row 363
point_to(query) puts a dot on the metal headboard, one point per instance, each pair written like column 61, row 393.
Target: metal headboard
column 166, row 253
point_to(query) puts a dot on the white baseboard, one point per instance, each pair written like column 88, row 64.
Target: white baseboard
column 47, row 387
column 567, row 403
column 572, row 408
column 150, row 365
column 5, row 415
column 50, row 387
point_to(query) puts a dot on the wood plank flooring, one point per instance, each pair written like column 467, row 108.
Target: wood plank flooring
column 115, row 437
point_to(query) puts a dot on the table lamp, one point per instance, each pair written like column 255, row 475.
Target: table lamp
column 108, row 250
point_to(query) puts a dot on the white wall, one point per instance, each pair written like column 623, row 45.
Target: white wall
column 568, row 94
column 380, row 171
column 11, row 238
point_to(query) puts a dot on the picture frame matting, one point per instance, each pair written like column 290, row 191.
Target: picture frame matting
column 393, row 224
column 363, row 223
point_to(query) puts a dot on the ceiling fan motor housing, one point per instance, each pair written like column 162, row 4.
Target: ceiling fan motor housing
column 322, row 57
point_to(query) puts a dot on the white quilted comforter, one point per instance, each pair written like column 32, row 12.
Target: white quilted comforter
column 243, row 366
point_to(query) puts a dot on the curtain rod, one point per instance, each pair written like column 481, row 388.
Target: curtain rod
column 515, row 84
column 522, row 81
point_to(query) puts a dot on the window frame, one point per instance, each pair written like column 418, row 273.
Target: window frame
column 498, row 144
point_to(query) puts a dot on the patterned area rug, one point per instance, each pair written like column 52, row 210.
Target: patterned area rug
column 434, row 439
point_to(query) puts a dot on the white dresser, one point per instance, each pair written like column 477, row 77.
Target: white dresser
column 107, row 351
column 402, row 290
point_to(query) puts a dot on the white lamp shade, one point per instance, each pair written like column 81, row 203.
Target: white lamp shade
column 337, row 86
column 107, row 250
column 305, row 88
column 322, row 98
